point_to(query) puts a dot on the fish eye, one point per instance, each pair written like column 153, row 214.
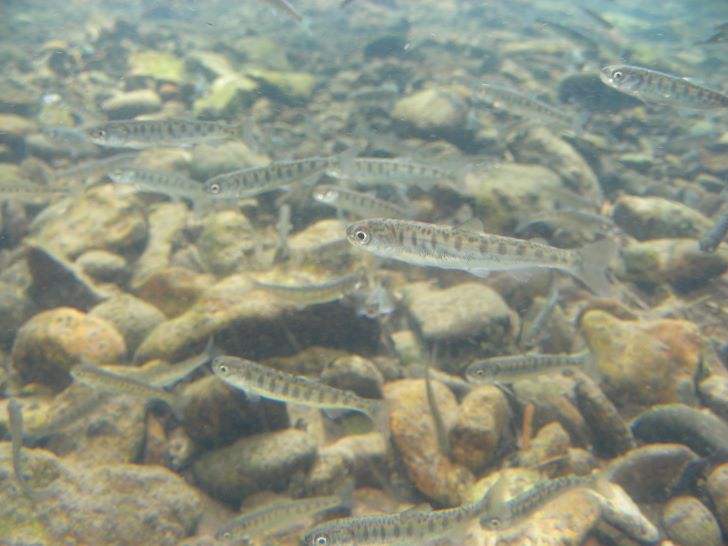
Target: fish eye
column 480, row 372
column 222, row 368
column 493, row 523
column 617, row 75
column 321, row 540
column 99, row 132
column 214, row 188
column 362, row 235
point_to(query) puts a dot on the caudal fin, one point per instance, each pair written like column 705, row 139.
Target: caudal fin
column 592, row 269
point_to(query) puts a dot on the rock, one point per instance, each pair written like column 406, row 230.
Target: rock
column 688, row 521
column 413, row 432
column 550, row 441
column 677, row 261
column 132, row 104
column 714, row 394
column 216, row 414
column 432, row 112
column 588, row 91
column 657, row 218
column 15, row 309
column 507, row 193
column 166, row 224
column 469, row 315
column 255, row 463
column 262, row 50
column 221, row 242
column 648, row 473
column 563, row 159
column 173, row 290
column 286, row 86
column 15, row 128
column 481, row 428
column 58, row 282
column 104, row 266
column 157, row 65
column 208, row 161
column 643, row 363
column 612, row 436
column 354, row 373
column 85, row 504
column 98, row 219
column 132, row 318
column 350, row 457
column 86, row 426
column 322, row 242
column 718, row 491
column 52, row 342
column 211, row 64
column 228, row 96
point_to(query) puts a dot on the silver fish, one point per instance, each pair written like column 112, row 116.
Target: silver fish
column 374, row 170
column 531, row 331
column 313, row 294
column 713, row 237
column 31, row 192
column 511, row 512
column 267, row 382
column 279, row 515
column 285, row 7
column 167, row 375
column 651, row 86
column 478, row 253
column 163, row 132
column 15, row 416
column 251, row 182
column 506, row 369
column 405, row 528
column 360, row 204
column 171, row 184
column 521, row 105
column 106, row 381
column 579, row 221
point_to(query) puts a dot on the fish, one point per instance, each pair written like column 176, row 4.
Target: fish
column 167, row 183
column 376, row 170
column 284, row 228
column 257, row 180
column 506, row 369
column 715, row 235
column 106, row 381
column 509, row 513
column 360, row 204
column 267, row 382
column 313, row 294
column 516, row 103
column 442, row 439
column 446, row 247
column 168, row 375
column 162, row 132
column 31, row 192
column 71, row 140
column 286, row 8
column 278, row 515
column 94, row 168
column 414, row 526
column 15, row 417
column 577, row 36
column 653, row 87
column 532, row 330
column 579, row 221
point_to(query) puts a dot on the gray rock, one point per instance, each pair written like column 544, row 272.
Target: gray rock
column 104, row 266
column 132, row 317
column 58, row 282
column 354, row 373
column 469, row 315
column 433, row 112
column 15, row 309
column 657, row 218
column 221, row 243
column 688, row 521
column 99, row 218
column 255, row 463
column 124, row 504
column 131, row 104
column 718, row 491
column 166, row 224
column 541, row 146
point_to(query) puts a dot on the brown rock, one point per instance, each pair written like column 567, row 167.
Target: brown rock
column 52, row 342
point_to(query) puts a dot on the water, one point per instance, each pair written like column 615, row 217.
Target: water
column 491, row 117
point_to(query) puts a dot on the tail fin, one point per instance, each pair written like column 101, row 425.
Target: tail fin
column 592, row 269
column 590, row 365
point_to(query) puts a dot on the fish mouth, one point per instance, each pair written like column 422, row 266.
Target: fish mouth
column 605, row 74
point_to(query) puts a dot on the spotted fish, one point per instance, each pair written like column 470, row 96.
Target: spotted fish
column 478, row 253
column 161, row 132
